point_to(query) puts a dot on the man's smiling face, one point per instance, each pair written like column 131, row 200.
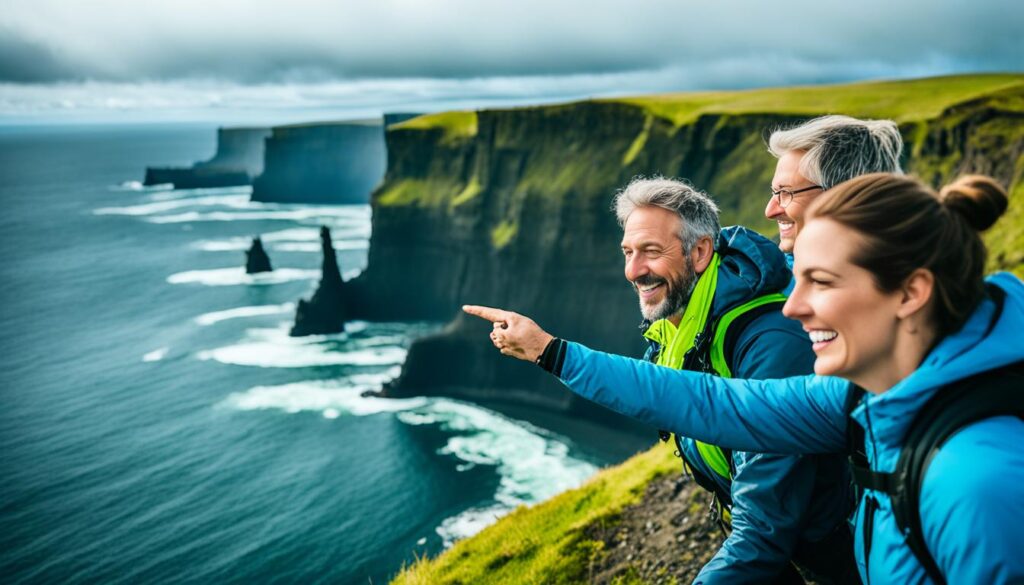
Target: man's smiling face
column 661, row 272
column 787, row 176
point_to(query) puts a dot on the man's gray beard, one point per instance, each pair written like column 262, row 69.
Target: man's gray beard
column 678, row 297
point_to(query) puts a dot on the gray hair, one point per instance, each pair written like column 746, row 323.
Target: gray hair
column 840, row 148
column 696, row 209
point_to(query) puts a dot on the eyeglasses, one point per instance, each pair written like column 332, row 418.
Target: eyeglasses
column 785, row 196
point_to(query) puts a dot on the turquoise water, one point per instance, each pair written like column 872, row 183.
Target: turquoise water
column 158, row 424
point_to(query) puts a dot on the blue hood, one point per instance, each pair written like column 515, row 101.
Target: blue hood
column 981, row 345
column 752, row 265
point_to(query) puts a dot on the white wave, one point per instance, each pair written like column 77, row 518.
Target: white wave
column 155, row 355
column 235, row 201
column 331, row 398
column 237, row 275
column 293, row 235
column 340, row 245
column 237, row 312
column 274, row 348
column 270, row 355
column 244, row 243
column 532, row 464
column 323, row 214
column 138, row 186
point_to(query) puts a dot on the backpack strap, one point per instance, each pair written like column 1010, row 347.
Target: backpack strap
column 732, row 323
column 994, row 393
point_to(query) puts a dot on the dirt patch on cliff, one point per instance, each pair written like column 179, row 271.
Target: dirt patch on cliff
column 667, row 537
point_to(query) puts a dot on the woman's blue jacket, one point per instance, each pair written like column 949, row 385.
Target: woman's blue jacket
column 972, row 500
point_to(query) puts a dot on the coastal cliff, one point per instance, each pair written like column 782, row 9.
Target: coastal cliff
column 327, row 163
column 239, row 158
column 510, row 208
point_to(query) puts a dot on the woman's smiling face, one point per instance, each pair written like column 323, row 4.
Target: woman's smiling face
column 852, row 324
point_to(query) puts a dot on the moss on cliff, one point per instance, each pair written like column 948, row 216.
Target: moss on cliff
column 551, row 542
column 419, row 192
column 454, row 126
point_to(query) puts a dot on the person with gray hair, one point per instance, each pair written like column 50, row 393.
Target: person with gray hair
column 710, row 303
column 818, row 155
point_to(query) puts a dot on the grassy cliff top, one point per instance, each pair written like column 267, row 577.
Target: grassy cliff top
column 455, row 125
column 903, row 101
column 549, row 542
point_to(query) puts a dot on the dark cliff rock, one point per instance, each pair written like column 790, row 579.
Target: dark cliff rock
column 256, row 259
column 325, row 312
column 239, row 158
column 336, row 162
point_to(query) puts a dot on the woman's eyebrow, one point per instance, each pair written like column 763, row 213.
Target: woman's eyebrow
column 807, row 271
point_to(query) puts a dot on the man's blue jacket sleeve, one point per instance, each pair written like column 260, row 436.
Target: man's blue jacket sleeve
column 793, row 415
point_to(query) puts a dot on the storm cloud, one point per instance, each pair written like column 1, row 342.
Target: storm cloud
column 257, row 61
column 307, row 41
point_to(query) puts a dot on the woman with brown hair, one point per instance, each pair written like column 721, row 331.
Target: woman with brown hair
column 909, row 339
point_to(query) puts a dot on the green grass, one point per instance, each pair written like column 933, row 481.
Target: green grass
column 546, row 543
column 455, row 126
column 903, row 101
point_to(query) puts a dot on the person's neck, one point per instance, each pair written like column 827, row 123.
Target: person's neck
column 910, row 350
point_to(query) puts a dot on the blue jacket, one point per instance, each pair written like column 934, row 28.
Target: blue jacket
column 972, row 501
column 778, row 500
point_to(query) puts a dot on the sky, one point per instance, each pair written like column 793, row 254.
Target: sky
column 262, row 61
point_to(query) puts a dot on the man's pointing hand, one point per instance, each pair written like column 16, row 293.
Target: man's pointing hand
column 513, row 334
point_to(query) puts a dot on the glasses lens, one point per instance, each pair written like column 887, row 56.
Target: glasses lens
column 785, row 198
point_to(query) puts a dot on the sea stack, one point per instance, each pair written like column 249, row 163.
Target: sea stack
column 256, row 259
column 325, row 312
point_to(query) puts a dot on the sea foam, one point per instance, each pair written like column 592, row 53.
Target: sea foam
column 238, row 312
column 234, row 201
column 532, row 464
column 237, row 276
column 274, row 348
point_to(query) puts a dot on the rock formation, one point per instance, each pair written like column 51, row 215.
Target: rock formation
column 331, row 162
column 325, row 312
column 256, row 259
column 239, row 159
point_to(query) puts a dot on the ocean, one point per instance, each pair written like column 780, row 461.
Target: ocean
column 158, row 424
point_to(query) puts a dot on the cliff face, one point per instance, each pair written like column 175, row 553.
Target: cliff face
column 511, row 208
column 239, row 158
column 322, row 163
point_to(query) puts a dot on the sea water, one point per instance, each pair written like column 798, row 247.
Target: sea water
column 158, row 424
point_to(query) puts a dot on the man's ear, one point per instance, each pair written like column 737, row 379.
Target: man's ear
column 915, row 292
column 701, row 254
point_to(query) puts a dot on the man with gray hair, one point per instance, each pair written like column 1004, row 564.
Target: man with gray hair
column 709, row 299
column 820, row 154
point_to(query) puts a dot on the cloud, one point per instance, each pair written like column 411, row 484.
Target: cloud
column 257, row 61
column 311, row 41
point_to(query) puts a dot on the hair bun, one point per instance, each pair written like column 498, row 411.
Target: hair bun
column 978, row 199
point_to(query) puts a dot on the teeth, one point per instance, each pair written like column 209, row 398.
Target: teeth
column 650, row 288
column 819, row 335
column 785, row 224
